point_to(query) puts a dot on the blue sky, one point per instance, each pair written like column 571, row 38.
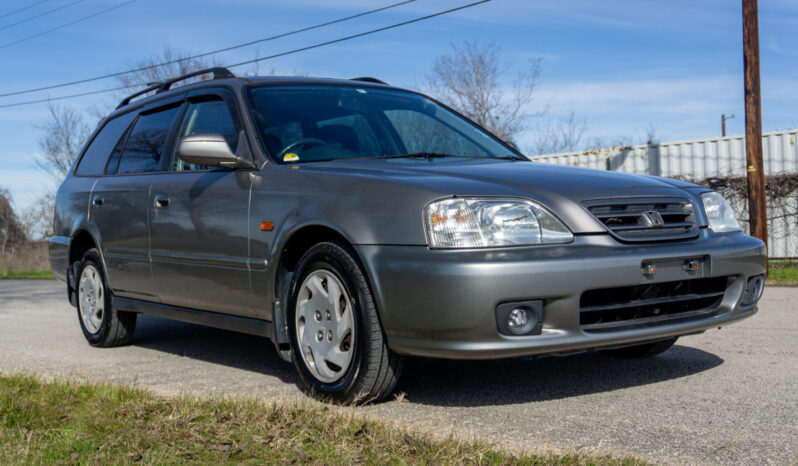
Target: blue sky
column 624, row 65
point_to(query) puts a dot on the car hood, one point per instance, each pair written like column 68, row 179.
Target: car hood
column 562, row 189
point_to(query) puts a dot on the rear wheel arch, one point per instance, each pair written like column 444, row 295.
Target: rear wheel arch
column 81, row 242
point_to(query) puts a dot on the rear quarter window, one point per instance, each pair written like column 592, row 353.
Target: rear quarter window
column 92, row 163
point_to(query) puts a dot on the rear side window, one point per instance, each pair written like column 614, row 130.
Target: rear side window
column 96, row 155
column 113, row 162
column 145, row 144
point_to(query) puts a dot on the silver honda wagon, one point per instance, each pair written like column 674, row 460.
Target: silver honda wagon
column 355, row 224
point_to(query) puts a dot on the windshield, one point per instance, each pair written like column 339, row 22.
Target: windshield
column 310, row 123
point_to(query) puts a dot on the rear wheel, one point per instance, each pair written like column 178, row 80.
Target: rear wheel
column 102, row 325
column 337, row 342
column 641, row 351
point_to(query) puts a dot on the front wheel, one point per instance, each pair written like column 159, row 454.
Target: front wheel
column 337, row 342
column 646, row 350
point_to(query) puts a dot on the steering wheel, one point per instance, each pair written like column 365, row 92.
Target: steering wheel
column 303, row 141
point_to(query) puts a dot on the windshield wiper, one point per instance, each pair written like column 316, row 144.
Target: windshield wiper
column 437, row 155
column 425, row 155
column 429, row 156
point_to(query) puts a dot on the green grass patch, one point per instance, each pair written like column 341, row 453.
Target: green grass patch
column 782, row 273
column 43, row 274
column 70, row 422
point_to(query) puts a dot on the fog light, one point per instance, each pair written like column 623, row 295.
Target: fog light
column 520, row 318
column 753, row 290
column 518, row 321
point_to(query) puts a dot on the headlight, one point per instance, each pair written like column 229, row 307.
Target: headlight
column 488, row 222
column 720, row 214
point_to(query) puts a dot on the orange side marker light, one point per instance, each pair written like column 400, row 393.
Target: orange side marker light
column 266, row 226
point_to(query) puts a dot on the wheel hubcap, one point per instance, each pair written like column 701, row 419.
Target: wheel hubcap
column 325, row 326
column 91, row 298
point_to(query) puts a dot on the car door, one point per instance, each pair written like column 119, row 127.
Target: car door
column 199, row 218
column 119, row 202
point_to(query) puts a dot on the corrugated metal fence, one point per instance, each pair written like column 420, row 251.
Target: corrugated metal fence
column 701, row 159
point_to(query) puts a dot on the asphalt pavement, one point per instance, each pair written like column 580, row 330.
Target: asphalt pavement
column 726, row 396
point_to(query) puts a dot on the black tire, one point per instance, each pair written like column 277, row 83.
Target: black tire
column 116, row 327
column 374, row 369
column 646, row 350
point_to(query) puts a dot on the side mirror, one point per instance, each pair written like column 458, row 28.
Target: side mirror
column 210, row 150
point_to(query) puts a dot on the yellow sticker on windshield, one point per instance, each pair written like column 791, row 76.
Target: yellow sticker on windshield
column 290, row 157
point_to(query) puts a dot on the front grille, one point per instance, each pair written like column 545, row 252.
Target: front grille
column 646, row 219
column 645, row 305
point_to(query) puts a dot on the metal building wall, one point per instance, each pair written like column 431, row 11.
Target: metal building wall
column 701, row 159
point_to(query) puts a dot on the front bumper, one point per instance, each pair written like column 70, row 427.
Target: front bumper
column 441, row 303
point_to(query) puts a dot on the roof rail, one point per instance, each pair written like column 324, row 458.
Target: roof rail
column 163, row 86
column 369, row 79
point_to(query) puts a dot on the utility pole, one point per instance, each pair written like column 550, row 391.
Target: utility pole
column 723, row 119
column 757, row 207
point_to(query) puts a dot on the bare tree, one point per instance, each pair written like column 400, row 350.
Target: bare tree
column 179, row 63
column 12, row 233
column 66, row 129
column 626, row 140
column 565, row 134
column 469, row 79
column 63, row 135
column 651, row 135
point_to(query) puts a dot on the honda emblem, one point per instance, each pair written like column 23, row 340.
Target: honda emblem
column 651, row 218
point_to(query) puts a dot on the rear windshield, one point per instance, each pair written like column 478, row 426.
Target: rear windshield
column 307, row 123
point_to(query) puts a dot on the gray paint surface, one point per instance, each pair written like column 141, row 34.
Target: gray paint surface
column 723, row 397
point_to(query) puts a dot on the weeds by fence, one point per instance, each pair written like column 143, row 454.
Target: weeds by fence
column 32, row 256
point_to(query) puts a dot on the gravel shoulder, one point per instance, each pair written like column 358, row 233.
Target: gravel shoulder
column 725, row 396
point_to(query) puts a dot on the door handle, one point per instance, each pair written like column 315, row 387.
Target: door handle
column 97, row 201
column 161, row 201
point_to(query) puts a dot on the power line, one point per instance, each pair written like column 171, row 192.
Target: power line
column 70, row 96
column 23, row 9
column 282, row 54
column 204, row 54
column 53, row 10
column 67, row 24
column 354, row 36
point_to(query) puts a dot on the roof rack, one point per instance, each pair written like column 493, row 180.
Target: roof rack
column 163, row 86
column 369, row 79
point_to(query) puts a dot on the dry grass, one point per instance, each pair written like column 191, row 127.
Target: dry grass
column 78, row 423
column 34, row 256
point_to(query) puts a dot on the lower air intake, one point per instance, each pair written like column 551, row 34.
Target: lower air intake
column 645, row 305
